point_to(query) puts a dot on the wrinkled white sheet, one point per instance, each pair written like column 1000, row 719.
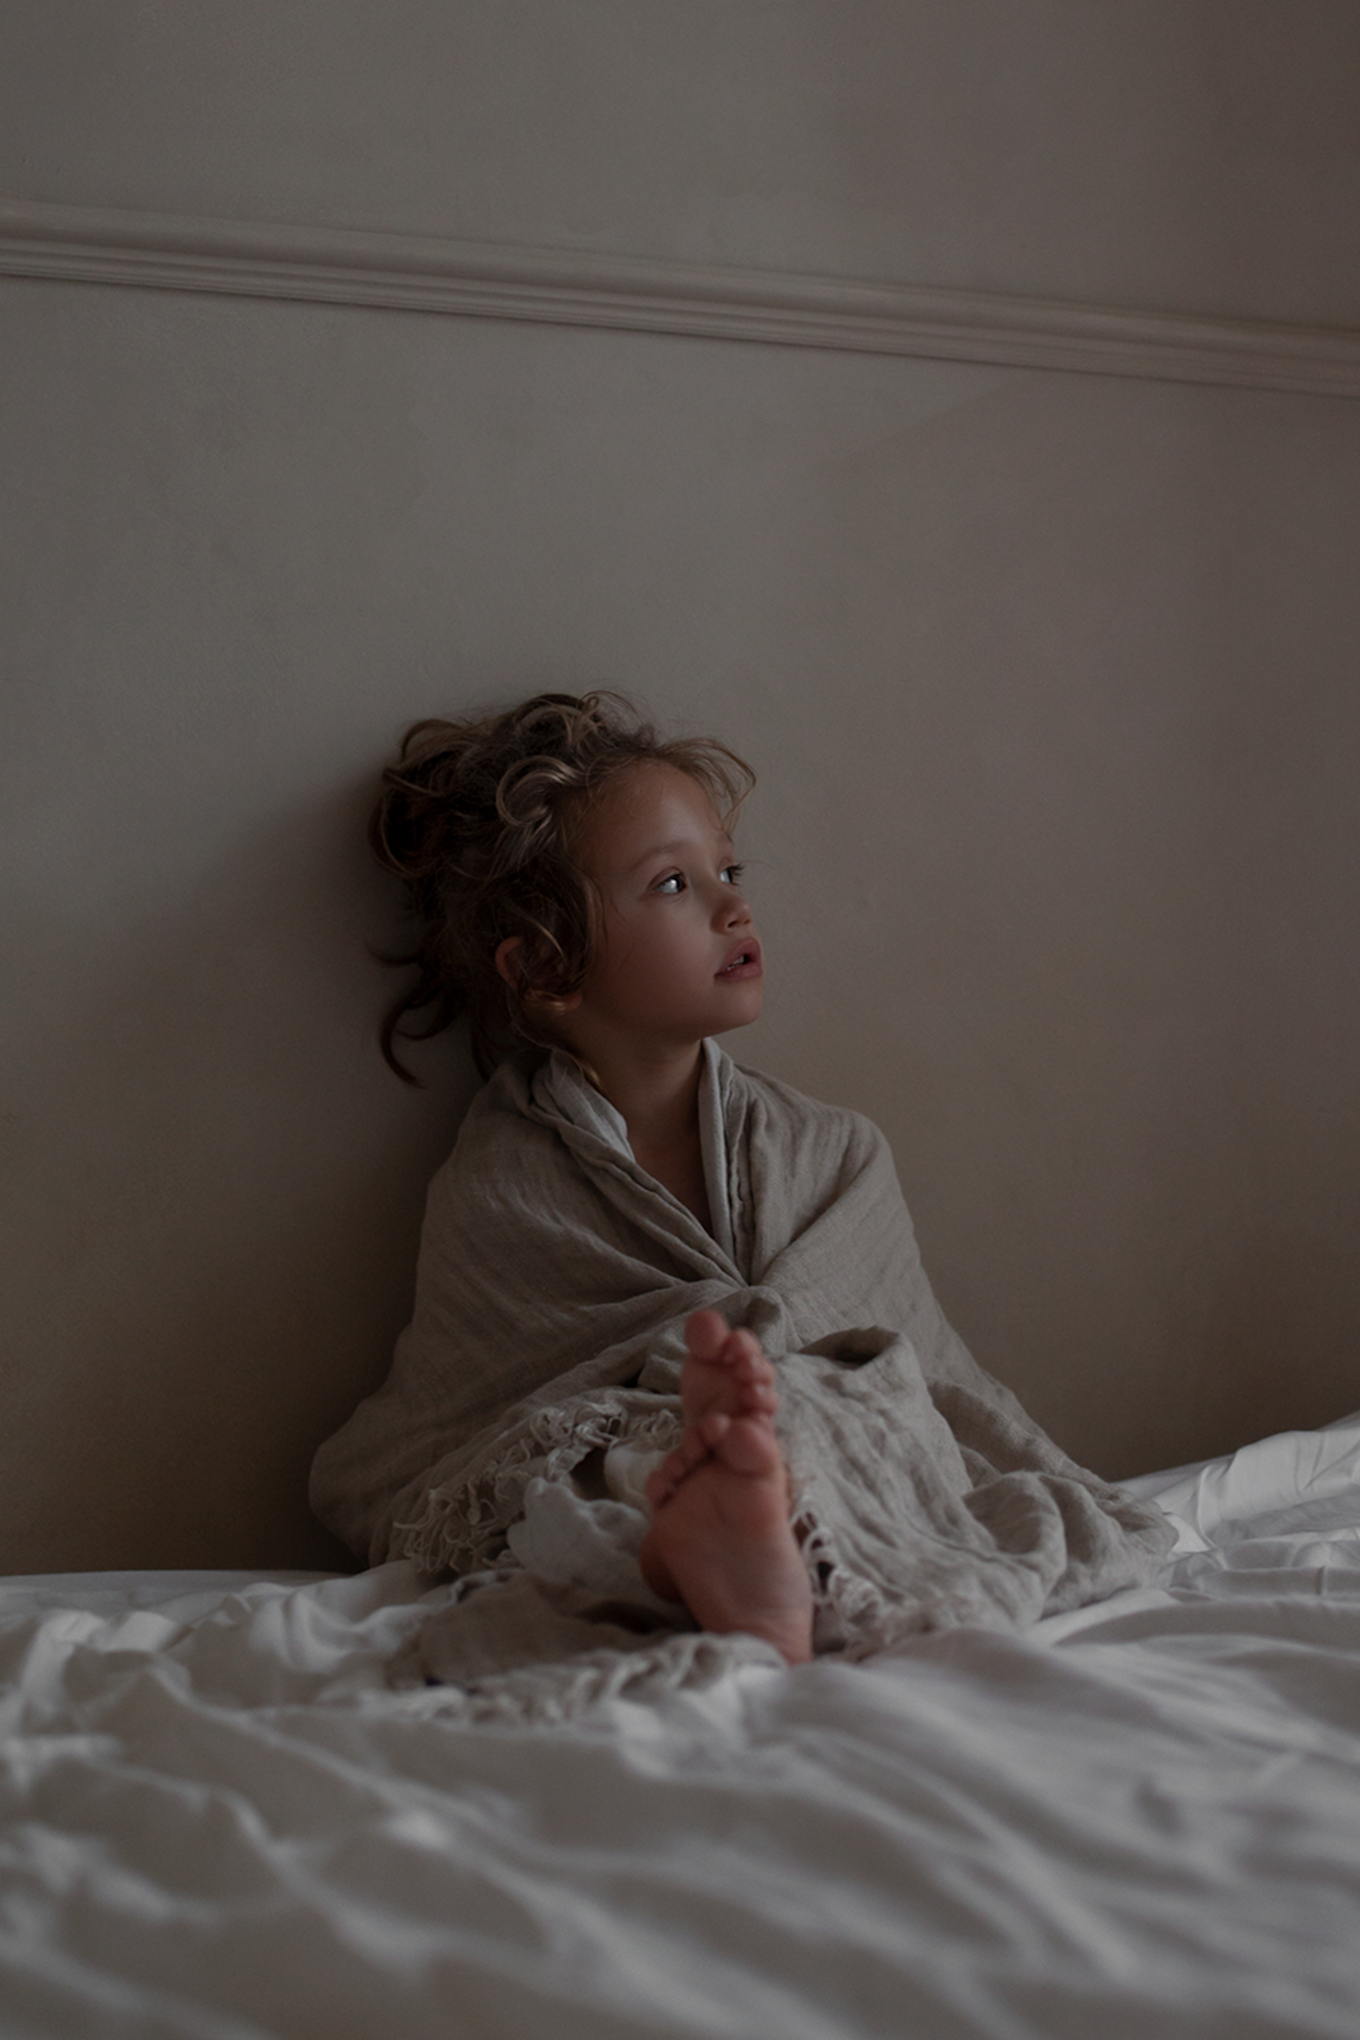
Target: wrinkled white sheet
column 1139, row 1819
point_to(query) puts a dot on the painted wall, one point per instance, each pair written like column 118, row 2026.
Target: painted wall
column 1049, row 679
column 1191, row 153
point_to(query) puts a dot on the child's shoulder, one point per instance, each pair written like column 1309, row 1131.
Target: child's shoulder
column 507, row 1131
column 499, row 1137
column 802, row 1117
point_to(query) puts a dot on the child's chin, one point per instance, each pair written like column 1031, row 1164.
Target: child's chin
column 740, row 1012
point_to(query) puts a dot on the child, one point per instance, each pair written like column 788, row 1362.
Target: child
column 672, row 1347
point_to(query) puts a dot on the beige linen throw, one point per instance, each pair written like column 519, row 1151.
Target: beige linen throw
column 555, row 1279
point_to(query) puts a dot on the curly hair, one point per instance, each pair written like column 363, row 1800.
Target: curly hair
column 480, row 819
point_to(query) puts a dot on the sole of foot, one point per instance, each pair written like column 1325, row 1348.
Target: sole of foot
column 721, row 1541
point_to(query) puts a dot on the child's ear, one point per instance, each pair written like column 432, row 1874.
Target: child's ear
column 510, row 965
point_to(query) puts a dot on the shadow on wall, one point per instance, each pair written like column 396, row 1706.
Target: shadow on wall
column 212, row 1203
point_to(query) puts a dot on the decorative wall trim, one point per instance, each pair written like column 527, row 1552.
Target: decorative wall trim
column 405, row 272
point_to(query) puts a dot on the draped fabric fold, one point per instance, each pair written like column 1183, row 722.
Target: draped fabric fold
column 555, row 1279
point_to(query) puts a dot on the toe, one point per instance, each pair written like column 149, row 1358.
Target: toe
column 694, row 1448
column 748, row 1445
column 706, row 1336
column 755, row 1399
column 748, row 1356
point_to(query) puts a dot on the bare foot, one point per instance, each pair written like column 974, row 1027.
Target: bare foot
column 721, row 1541
column 724, row 1371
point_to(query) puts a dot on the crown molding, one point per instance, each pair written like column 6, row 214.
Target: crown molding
column 469, row 279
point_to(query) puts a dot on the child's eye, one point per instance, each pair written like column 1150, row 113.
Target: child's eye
column 675, row 883
column 732, row 873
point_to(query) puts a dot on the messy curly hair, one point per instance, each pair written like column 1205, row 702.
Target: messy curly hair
column 480, row 819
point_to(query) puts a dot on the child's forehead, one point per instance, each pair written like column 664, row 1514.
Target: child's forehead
column 652, row 805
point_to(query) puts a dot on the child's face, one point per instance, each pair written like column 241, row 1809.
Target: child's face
column 677, row 957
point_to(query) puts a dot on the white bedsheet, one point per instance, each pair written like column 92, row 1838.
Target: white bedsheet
column 1141, row 1821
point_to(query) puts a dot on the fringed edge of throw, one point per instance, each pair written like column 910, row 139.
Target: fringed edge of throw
column 461, row 1525
column 854, row 1617
column 851, row 1616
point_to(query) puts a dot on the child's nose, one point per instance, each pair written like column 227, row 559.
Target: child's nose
column 732, row 908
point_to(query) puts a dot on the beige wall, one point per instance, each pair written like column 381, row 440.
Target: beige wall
column 1196, row 153
column 1049, row 679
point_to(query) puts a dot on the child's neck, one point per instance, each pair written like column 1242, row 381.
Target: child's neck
column 658, row 1095
column 657, row 1092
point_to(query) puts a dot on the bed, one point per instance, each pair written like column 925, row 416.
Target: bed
column 1140, row 1819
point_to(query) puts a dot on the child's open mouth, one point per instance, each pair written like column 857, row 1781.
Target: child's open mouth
column 744, row 962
